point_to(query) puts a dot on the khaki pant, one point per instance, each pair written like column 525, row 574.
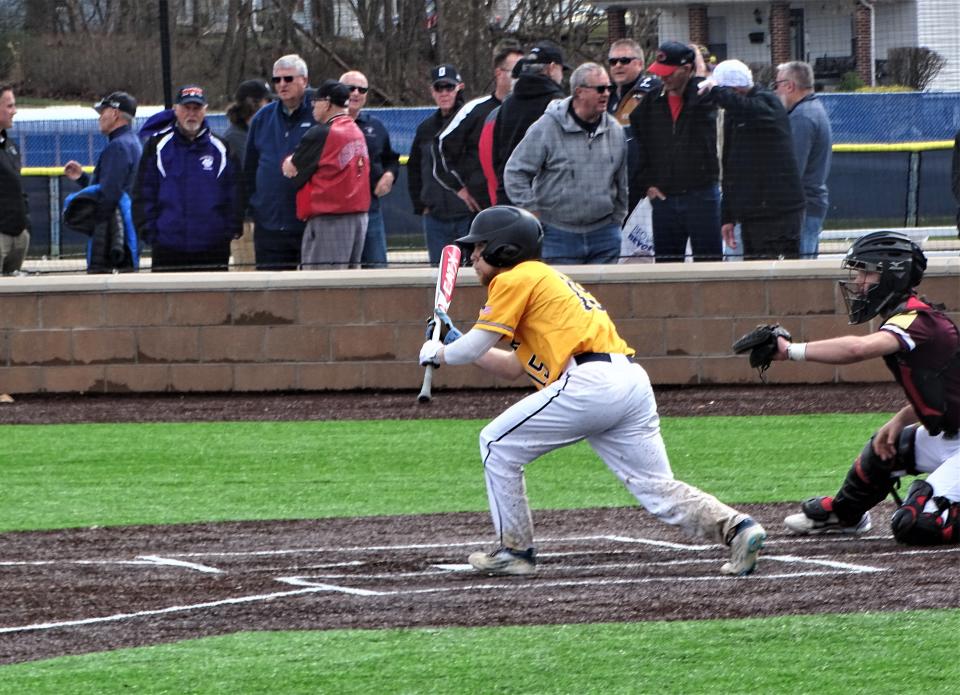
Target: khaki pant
column 242, row 255
column 13, row 249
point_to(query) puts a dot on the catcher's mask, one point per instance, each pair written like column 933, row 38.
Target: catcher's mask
column 512, row 236
column 900, row 264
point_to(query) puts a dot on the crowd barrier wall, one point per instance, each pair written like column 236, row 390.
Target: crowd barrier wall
column 346, row 330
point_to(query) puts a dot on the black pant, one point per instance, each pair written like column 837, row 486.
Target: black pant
column 276, row 249
column 772, row 237
column 165, row 260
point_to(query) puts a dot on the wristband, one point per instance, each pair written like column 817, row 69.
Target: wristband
column 797, row 352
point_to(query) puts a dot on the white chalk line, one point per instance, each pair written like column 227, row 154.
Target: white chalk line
column 157, row 560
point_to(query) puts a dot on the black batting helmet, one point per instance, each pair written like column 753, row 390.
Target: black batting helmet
column 512, row 235
column 900, row 263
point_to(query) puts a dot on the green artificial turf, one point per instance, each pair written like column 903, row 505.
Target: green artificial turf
column 60, row 476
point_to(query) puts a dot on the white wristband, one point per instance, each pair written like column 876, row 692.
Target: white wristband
column 797, row 352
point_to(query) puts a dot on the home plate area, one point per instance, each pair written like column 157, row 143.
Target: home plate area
column 82, row 590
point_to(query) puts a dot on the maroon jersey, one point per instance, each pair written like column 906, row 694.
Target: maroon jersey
column 928, row 364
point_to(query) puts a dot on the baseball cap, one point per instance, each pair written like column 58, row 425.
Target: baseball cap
column 670, row 56
column 732, row 73
column 445, row 73
column 337, row 92
column 191, row 94
column 546, row 52
column 253, row 89
column 117, row 100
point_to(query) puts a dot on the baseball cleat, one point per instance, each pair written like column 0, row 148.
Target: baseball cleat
column 744, row 549
column 803, row 525
column 504, row 561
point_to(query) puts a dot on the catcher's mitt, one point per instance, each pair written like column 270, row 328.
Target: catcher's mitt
column 761, row 343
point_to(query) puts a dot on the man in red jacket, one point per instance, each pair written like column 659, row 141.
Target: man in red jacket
column 331, row 171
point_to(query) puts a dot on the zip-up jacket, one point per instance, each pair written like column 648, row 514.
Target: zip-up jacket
column 575, row 180
column 459, row 147
column 529, row 99
column 113, row 243
column 675, row 156
column 188, row 192
column 14, row 212
column 425, row 190
column 333, row 170
column 272, row 136
column 115, row 172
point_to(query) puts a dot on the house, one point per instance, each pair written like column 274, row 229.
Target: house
column 833, row 35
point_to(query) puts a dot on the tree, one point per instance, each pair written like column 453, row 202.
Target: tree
column 914, row 66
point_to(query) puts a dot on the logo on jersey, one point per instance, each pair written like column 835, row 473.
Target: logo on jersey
column 206, row 162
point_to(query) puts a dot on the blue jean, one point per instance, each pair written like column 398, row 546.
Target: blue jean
column 810, row 236
column 375, row 244
column 562, row 247
column 694, row 214
column 439, row 233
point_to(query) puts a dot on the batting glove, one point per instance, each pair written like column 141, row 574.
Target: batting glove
column 428, row 353
column 448, row 332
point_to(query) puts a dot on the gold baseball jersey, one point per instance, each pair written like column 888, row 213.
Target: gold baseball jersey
column 549, row 318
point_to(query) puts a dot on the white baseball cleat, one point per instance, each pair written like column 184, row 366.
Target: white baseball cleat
column 803, row 525
column 744, row 549
column 504, row 561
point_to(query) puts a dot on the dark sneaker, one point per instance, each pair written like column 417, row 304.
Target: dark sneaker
column 506, row 561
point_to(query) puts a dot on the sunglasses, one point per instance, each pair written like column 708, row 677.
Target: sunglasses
column 443, row 87
column 283, row 78
column 625, row 60
column 355, row 88
column 600, row 88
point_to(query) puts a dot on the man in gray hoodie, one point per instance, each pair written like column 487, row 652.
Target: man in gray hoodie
column 570, row 170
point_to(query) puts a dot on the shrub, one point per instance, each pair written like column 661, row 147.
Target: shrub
column 850, row 82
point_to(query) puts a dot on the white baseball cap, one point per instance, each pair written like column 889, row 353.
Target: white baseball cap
column 732, row 73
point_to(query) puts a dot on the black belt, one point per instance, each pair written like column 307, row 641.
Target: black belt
column 585, row 357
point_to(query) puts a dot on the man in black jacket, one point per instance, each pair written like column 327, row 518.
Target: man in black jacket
column 445, row 216
column 676, row 134
column 14, row 213
column 540, row 74
column 761, row 183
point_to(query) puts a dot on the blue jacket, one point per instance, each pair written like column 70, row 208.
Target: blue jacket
column 116, row 170
column 273, row 135
column 113, row 242
column 187, row 196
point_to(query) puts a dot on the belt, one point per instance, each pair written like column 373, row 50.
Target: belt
column 585, row 357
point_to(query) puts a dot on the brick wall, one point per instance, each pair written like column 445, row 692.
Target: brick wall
column 779, row 33
column 863, row 42
column 363, row 329
column 697, row 18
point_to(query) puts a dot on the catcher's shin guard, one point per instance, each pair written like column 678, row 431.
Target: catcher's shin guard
column 871, row 479
column 913, row 526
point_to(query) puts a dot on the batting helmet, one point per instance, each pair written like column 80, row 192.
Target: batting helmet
column 511, row 235
column 900, row 263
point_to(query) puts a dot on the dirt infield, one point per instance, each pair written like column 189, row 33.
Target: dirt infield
column 85, row 590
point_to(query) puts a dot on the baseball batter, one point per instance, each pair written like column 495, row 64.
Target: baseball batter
column 921, row 347
column 588, row 388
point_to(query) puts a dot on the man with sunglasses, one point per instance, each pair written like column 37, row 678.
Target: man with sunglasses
column 384, row 167
column 626, row 70
column 275, row 132
column 570, row 170
column 445, row 216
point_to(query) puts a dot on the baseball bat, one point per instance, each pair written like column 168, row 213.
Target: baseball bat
column 446, row 281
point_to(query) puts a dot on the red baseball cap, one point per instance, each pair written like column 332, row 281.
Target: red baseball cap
column 670, row 56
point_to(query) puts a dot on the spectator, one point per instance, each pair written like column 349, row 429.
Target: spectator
column 275, row 131
column 812, row 145
column 459, row 169
column 761, row 185
column 570, row 170
column 626, row 70
column 14, row 210
column 187, row 203
column 539, row 78
column 955, row 175
column 445, row 216
column 251, row 96
column 503, row 79
column 113, row 245
column 676, row 134
column 384, row 168
column 330, row 170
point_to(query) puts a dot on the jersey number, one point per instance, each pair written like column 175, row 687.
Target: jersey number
column 589, row 303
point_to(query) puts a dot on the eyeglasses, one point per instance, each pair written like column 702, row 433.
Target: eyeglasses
column 443, row 87
column 355, row 88
column 777, row 83
column 285, row 78
column 623, row 60
column 600, row 88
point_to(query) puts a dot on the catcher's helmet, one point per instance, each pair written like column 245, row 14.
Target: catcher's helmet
column 900, row 263
column 512, row 235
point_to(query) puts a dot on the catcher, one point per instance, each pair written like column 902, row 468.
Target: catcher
column 921, row 347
